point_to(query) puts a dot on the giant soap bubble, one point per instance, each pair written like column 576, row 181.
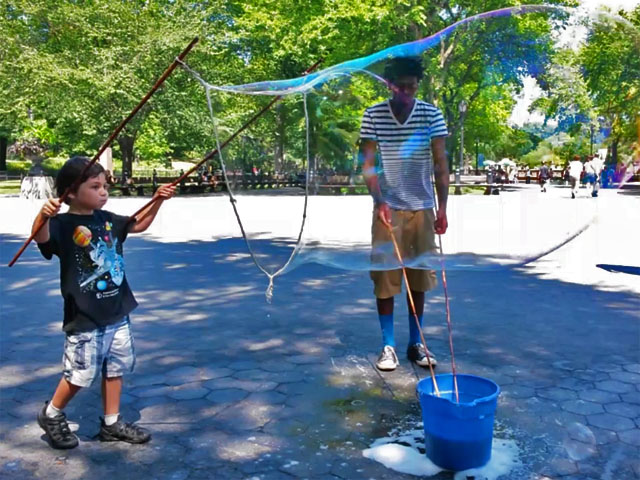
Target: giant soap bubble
column 518, row 87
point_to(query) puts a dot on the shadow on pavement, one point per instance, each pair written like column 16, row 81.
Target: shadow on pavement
column 232, row 386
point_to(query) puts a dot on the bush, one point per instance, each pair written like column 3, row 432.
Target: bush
column 49, row 165
column 53, row 164
column 18, row 167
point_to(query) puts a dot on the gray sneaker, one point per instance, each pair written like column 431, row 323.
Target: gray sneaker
column 57, row 429
column 416, row 353
column 123, row 432
column 388, row 360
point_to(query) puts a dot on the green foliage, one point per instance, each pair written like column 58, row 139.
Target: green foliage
column 612, row 73
column 152, row 143
column 17, row 167
column 568, row 101
column 52, row 165
column 83, row 66
column 49, row 165
column 39, row 130
column 544, row 153
column 80, row 67
column 596, row 87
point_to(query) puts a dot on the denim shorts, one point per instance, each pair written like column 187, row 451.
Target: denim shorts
column 107, row 350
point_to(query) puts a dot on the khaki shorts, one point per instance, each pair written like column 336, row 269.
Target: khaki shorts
column 415, row 236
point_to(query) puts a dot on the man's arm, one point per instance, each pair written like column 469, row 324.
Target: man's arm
column 441, row 173
column 368, row 150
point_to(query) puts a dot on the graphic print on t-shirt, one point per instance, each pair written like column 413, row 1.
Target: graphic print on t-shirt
column 100, row 266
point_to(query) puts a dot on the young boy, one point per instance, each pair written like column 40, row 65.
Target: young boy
column 97, row 298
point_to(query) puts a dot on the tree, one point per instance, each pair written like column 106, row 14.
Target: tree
column 484, row 62
column 82, row 66
column 611, row 68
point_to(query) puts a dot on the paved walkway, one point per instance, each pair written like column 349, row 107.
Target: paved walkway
column 235, row 388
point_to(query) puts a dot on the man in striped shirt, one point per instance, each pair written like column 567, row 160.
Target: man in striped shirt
column 409, row 135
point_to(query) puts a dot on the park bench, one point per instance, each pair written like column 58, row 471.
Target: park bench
column 338, row 184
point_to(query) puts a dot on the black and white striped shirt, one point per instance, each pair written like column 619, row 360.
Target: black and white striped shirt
column 405, row 151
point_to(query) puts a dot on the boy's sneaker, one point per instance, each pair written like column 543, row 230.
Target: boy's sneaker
column 388, row 360
column 57, row 429
column 123, row 432
column 417, row 354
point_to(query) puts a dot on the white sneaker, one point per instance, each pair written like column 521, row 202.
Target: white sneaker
column 388, row 360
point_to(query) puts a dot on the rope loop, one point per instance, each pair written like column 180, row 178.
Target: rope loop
column 269, row 292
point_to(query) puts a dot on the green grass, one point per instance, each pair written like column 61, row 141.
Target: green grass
column 354, row 191
column 468, row 190
column 10, row 186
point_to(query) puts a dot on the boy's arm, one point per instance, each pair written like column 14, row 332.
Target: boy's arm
column 146, row 217
column 441, row 173
column 48, row 210
column 368, row 149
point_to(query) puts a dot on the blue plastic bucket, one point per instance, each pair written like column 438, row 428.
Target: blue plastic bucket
column 458, row 436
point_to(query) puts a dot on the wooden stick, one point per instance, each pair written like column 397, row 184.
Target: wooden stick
column 454, row 370
column 213, row 153
column 413, row 308
column 109, row 140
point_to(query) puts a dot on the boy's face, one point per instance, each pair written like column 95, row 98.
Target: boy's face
column 404, row 88
column 92, row 194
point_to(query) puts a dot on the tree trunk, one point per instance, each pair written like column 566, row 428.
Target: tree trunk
column 614, row 150
column 312, row 145
column 278, row 151
column 451, row 145
column 3, row 154
column 316, row 179
column 126, row 143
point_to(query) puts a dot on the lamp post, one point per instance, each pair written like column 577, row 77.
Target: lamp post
column 462, row 108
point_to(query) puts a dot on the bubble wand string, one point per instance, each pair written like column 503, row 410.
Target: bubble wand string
column 413, row 307
column 449, row 327
column 221, row 145
column 443, row 272
column 106, row 144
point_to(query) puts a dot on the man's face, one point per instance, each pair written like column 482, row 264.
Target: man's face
column 404, row 88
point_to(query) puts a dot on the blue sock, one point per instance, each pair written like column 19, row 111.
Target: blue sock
column 414, row 332
column 386, row 324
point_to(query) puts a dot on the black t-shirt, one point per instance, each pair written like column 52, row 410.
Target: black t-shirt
column 92, row 279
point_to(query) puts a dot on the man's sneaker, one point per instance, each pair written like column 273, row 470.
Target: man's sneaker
column 416, row 353
column 388, row 360
column 123, row 432
column 57, row 429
